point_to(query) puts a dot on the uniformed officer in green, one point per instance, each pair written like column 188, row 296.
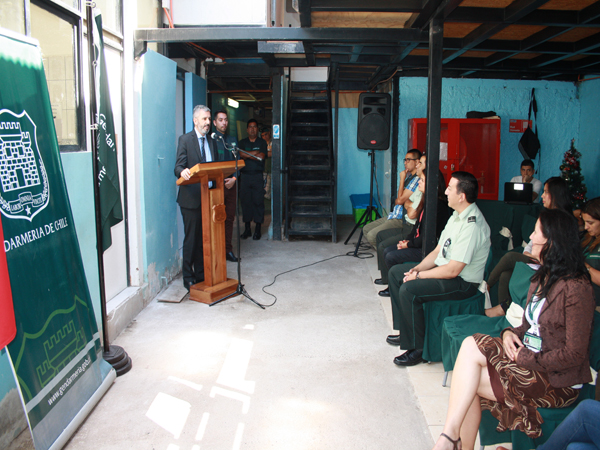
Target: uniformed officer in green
column 452, row 271
column 252, row 188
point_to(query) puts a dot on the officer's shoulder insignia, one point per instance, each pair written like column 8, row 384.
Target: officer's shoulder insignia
column 472, row 219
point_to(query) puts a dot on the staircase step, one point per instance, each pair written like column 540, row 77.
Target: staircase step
column 308, row 110
column 311, row 198
column 309, row 124
column 310, row 225
column 308, row 148
column 303, row 167
column 308, row 152
column 310, row 160
column 310, row 209
column 303, row 97
column 310, row 87
column 317, row 104
column 310, row 138
column 310, row 116
column 310, row 182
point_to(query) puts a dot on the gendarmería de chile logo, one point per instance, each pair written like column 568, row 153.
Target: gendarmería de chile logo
column 24, row 190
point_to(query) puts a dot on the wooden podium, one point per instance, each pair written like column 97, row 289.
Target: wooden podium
column 216, row 285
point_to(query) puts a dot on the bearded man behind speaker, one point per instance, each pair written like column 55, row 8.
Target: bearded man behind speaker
column 408, row 183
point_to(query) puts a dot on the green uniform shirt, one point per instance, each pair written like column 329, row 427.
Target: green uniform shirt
column 466, row 238
column 254, row 165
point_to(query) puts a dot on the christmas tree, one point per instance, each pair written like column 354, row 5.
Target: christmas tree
column 570, row 171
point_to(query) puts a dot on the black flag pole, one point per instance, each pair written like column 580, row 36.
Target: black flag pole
column 113, row 354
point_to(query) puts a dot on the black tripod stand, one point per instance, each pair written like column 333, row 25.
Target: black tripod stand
column 367, row 216
column 240, row 290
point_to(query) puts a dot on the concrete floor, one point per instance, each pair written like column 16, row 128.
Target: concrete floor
column 311, row 372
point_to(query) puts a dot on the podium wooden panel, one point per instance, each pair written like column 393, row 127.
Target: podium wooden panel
column 216, row 285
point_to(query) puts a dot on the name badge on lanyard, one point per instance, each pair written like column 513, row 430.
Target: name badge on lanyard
column 532, row 342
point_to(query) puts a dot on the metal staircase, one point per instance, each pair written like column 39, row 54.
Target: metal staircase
column 310, row 207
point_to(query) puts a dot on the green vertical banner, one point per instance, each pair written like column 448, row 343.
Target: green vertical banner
column 56, row 353
column 111, row 211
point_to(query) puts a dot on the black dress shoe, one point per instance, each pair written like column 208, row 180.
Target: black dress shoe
column 393, row 339
column 231, row 257
column 384, row 293
column 246, row 234
column 380, row 282
column 256, row 236
column 187, row 284
column 410, row 358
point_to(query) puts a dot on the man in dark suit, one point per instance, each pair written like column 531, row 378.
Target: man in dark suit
column 194, row 147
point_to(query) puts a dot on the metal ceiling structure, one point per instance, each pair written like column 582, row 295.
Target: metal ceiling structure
column 370, row 42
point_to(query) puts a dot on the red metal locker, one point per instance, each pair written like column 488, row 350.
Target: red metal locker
column 472, row 145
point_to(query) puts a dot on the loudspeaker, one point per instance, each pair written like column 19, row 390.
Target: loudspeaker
column 374, row 112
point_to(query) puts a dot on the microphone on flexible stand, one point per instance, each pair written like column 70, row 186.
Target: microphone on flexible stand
column 234, row 147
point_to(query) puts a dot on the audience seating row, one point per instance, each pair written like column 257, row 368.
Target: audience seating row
column 449, row 323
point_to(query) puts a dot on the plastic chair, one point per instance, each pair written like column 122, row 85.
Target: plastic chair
column 552, row 416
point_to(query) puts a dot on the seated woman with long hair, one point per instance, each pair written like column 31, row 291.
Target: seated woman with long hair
column 555, row 196
column 591, row 243
column 541, row 363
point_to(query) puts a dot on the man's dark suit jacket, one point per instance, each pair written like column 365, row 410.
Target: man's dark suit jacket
column 188, row 155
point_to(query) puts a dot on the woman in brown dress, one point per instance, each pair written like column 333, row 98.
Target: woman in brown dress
column 540, row 363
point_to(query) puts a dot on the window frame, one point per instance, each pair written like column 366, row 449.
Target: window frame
column 75, row 19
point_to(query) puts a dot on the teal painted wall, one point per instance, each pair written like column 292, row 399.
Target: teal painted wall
column 157, row 153
column 564, row 112
column 354, row 165
column 559, row 111
column 195, row 94
column 77, row 167
column 589, row 137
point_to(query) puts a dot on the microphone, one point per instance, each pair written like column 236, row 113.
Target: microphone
column 214, row 136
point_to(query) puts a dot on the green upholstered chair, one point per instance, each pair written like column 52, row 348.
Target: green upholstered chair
column 552, row 416
column 459, row 327
column 498, row 215
column 436, row 312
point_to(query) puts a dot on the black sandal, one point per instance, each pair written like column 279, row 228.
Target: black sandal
column 454, row 442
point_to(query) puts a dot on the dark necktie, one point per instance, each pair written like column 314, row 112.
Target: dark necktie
column 202, row 156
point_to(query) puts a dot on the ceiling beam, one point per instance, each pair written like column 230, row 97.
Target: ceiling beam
column 250, row 34
column 526, row 44
column 304, row 9
column 431, row 9
column 370, row 6
column 512, row 13
column 221, row 35
column 214, row 70
column 587, row 44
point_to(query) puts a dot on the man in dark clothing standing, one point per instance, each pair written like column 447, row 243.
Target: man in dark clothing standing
column 194, row 147
column 252, row 191
column 220, row 122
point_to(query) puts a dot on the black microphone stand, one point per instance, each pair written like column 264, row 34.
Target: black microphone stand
column 240, row 290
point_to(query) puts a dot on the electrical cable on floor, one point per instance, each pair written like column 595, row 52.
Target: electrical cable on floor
column 361, row 255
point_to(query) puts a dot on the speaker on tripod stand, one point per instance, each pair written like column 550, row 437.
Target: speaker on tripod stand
column 374, row 113
column 373, row 133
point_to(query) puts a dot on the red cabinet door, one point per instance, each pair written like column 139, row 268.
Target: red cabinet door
column 471, row 145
